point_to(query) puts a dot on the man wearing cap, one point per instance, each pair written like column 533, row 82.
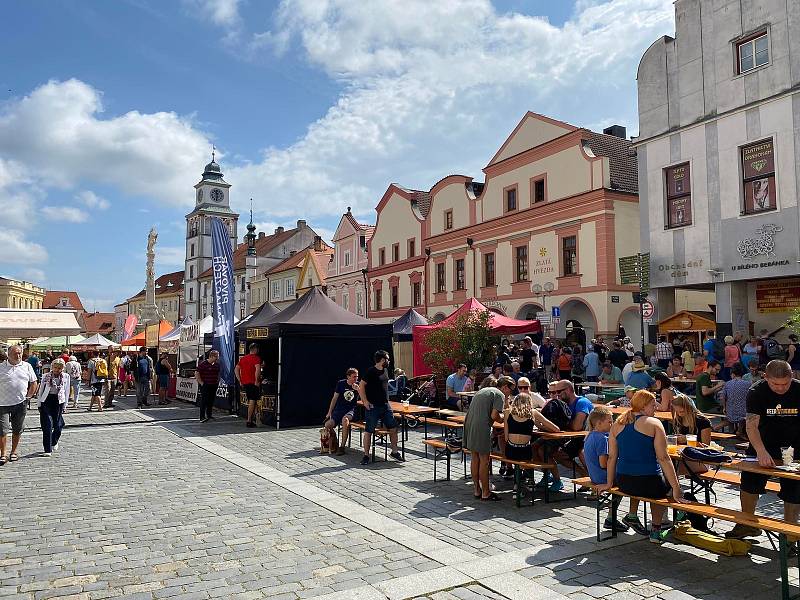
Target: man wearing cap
column 639, row 378
column 610, row 373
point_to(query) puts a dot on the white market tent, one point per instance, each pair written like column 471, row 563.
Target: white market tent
column 16, row 323
column 95, row 341
column 57, row 342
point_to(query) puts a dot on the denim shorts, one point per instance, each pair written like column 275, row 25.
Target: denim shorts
column 381, row 413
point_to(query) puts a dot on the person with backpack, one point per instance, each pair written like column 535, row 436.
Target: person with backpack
column 770, row 349
column 713, row 349
column 143, row 373
column 98, row 374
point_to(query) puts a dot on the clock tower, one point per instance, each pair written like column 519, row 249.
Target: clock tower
column 212, row 199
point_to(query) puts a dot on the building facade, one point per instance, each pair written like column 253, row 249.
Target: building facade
column 15, row 293
column 346, row 277
column 719, row 115
column 169, row 298
column 212, row 199
column 294, row 276
column 557, row 209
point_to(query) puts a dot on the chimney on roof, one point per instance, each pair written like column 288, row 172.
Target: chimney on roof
column 261, row 235
column 301, row 223
column 317, row 243
column 616, row 130
column 278, row 230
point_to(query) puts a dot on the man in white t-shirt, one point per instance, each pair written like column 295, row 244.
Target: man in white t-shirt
column 17, row 384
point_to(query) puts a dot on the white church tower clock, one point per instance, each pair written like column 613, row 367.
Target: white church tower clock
column 212, row 199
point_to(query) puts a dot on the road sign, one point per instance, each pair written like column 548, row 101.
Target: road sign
column 648, row 310
column 648, row 321
column 544, row 317
column 556, row 311
column 556, row 320
column 629, row 270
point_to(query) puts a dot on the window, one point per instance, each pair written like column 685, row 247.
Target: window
column 346, row 301
column 569, row 247
column 412, row 248
column 205, row 290
column 679, row 195
column 522, row 263
column 359, row 303
column 276, row 290
column 511, row 199
column 441, row 285
column 488, row 269
column 758, row 173
column 243, row 281
column 347, row 258
column 537, row 191
column 448, row 219
column 191, row 271
column 191, row 248
column 378, row 304
column 460, row 278
column 394, row 295
column 382, row 256
column 395, row 252
column 416, row 293
column 362, row 241
column 753, row 53
column 289, row 288
column 191, row 294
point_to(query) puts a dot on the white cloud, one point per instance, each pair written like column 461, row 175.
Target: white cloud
column 34, row 275
column 64, row 213
column 432, row 88
column 92, row 200
column 170, row 256
column 58, row 138
column 221, row 12
column 16, row 250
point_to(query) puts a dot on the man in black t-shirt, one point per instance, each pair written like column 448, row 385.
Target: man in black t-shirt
column 342, row 408
column 374, row 393
column 773, row 422
column 529, row 356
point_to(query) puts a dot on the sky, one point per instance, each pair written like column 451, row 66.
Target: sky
column 109, row 110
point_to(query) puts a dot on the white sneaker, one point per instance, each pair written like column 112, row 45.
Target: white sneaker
column 47, row 454
column 55, row 447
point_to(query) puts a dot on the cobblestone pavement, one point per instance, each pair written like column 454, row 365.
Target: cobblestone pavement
column 159, row 506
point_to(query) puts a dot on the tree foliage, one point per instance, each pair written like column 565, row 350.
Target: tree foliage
column 793, row 323
column 467, row 339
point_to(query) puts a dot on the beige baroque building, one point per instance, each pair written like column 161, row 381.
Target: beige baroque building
column 558, row 207
column 169, row 298
column 15, row 293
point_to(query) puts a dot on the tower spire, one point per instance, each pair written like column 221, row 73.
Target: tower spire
column 213, row 153
column 251, row 233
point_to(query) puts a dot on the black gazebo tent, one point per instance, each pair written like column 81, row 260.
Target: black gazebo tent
column 403, row 327
column 261, row 315
column 313, row 342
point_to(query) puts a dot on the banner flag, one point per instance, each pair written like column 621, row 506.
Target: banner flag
column 130, row 326
column 223, row 289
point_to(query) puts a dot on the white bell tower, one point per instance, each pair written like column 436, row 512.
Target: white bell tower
column 212, row 199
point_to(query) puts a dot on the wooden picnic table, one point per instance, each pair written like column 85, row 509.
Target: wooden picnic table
column 410, row 410
column 739, row 464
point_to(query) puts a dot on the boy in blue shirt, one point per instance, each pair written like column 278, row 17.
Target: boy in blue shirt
column 595, row 451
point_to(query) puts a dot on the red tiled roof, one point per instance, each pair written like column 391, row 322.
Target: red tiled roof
column 296, row 261
column 163, row 285
column 322, row 259
column 98, row 322
column 52, row 299
column 356, row 225
column 263, row 246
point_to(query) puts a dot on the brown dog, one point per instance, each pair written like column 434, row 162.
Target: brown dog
column 328, row 441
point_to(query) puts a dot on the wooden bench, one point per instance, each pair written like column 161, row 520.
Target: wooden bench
column 731, row 478
column 380, row 435
column 442, row 450
column 448, row 427
column 773, row 527
column 523, row 465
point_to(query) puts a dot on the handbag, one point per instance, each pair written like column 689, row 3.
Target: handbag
column 709, row 456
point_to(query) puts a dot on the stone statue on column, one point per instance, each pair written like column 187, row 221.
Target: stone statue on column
column 150, row 312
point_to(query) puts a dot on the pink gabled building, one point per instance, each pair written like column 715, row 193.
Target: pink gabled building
column 345, row 281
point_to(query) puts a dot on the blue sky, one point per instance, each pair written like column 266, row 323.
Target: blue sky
column 108, row 111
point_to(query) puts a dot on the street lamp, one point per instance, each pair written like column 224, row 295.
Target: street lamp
column 543, row 292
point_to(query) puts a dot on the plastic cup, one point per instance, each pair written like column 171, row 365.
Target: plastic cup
column 787, row 455
column 672, row 443
column 691, row 440
column 406, row 404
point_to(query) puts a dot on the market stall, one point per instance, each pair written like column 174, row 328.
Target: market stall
column 402, row 337
column 499, row 324
column 93, row 342
column 688, row 325
column 314, row 334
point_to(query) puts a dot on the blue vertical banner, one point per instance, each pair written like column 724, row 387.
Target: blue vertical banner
column 223, row 288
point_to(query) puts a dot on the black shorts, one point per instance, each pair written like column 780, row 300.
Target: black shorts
column 646, row 486
column 523, row 452
column 753, row 483
column 572, row 448
column 97, row 388
column 252, row 391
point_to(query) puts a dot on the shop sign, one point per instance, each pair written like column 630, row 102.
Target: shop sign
column 758, row 169
column 151, row 336
column 542, row 266
column 680, row 269
column 494, row 304
column 679, row 199
column 762, row 244
column 614, row 299
column 686, row 323
column 186, row 389
column 777, row 296
column 258, row 333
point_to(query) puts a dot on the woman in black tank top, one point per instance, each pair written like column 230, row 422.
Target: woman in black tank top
column 520, row 420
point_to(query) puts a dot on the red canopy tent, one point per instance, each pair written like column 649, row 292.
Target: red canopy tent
column 499, row 324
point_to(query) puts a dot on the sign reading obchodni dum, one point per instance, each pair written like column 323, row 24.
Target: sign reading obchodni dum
column 679, row 195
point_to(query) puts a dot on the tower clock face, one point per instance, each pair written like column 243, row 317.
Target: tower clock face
column 199, row 196
column 217, row 195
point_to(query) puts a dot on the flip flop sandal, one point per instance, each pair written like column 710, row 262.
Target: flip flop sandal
column 13, row 458
column 3, row 460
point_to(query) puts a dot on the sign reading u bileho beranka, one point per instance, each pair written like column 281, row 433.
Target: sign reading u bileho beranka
column 223, row 289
